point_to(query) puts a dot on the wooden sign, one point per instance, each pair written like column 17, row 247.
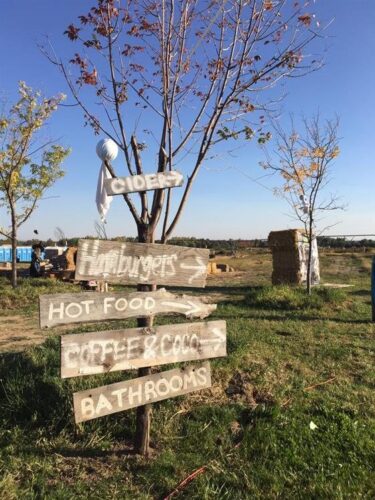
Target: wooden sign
column 144, row 182
column 66, row 308
column 107, row 351
column 94, row 403
column 147, row 263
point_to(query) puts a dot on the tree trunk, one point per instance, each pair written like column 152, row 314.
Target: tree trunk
column 309, row 258
column 14, row 248
column 143, row 419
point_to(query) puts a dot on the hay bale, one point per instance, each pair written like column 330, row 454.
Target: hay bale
column 213, row 268
column 224, row 268
column 289, row 255
column 217, row 268
column 71, row 257
column 66, row 261
column 283, row 239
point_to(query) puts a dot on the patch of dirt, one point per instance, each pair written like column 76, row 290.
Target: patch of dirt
column 240, row 388
column 89, row 468
column 18, row 332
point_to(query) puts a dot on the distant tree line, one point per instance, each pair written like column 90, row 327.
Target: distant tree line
column 229, row 247
column 326, row 242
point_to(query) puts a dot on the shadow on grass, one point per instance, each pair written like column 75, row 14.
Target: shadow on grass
column 224, row 290
column 293, row 317
column 34, row 398
column 360, row 293
column 92, row 452
column 30, row 395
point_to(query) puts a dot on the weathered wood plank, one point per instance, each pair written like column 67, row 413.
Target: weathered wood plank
column 149, row 263
column 144, row 182
column 113, row 350
column 66, row 308
column 101, row 401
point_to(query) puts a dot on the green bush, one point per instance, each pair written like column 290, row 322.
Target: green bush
column 28, row 290
column 293, row 298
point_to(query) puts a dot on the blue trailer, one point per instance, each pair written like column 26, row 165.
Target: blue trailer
column 23, row 254
column 5, row 254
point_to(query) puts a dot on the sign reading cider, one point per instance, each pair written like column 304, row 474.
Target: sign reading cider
column 144, row 182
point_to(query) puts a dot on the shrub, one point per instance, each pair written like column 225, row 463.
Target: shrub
column 293, row 298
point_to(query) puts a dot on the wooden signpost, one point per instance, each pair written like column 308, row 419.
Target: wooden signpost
column 144, row 182
column 66, row 308
column 141, row 263
column 136, row 348
column 107, row 351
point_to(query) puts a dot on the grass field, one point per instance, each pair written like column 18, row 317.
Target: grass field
column 291, row 413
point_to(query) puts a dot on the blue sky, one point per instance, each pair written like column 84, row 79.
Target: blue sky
column 225, row 202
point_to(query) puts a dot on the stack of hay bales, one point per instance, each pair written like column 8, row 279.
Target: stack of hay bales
column 290, row 255
column 64, row 265
column 216, row 268
column 211, row 268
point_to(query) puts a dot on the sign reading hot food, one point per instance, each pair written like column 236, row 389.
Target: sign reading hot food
column 65, row 308
column 151, row 263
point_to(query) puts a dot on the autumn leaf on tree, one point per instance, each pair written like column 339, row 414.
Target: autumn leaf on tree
column 305, row 19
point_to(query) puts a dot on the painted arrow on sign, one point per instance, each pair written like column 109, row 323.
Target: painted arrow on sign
column 200, row 269
column 219, row 336
column 190, row 308
column 149, row 263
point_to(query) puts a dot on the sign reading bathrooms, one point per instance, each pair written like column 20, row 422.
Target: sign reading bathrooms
column 94, row 403
column 141, row 263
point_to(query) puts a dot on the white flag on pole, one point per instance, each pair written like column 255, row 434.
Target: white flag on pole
column 103, row 201
column 107, row 150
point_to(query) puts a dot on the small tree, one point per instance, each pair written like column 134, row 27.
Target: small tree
column 27, row 166
column 60, row 236
column 305, row 161
column 173, row 79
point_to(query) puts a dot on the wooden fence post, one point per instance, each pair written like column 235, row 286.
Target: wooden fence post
column 143, row 415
